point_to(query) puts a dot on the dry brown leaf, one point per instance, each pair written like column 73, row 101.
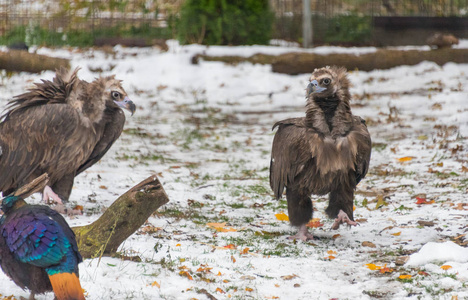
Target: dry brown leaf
column 368, row 244
column 401, row 260
column 426, row 223
column 289, row 277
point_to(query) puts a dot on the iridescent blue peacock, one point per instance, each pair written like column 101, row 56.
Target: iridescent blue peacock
column 38, row 250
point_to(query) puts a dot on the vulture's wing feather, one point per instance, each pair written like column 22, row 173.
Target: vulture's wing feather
column 111, row 133
column 43, row 136
column 364, row 147
column 288, row 156
column 56, row 91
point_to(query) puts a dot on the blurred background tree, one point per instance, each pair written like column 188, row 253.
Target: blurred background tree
column 223, row 22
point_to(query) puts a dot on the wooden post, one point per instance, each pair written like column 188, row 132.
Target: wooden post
column 306, row 24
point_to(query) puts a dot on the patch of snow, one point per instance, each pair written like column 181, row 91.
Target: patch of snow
column 439, row 252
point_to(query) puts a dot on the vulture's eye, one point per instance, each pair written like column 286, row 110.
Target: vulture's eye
column 115, row 95
column 326, row 81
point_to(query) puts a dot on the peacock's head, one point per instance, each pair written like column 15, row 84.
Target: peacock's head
column 8, row 203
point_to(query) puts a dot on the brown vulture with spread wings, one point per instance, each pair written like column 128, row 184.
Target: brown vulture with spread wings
column 60, row 127
column 326, row 152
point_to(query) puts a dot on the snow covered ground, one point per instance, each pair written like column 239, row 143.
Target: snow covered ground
column 205, row 131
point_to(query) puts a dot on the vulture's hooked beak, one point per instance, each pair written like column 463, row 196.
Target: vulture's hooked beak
column 127, row 104
column 314, row 87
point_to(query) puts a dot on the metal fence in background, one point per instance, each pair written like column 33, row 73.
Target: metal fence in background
column 334, row 21
column 354, row 21
column 89, row 15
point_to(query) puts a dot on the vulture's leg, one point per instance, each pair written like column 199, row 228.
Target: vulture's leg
column 340, row 207
column 300, row 212
column 48, row 193
column 63, row 186
column 63, row 189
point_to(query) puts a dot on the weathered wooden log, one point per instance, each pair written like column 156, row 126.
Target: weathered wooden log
column 257, row 58
column 121, row 219
column 23, row 61
column 299, row 63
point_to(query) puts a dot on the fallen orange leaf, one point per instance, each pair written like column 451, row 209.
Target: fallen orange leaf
column 330, row 257
column 288, row 277
column 155, row 283
column 373, row 267
column 216, row 225
column 446, row 267
column 249, row 289
column 220, row 227
column 233, row 259
column 219, row 290
column 423, row 201
column 245, row 251
column 335, row 236
column 219, row 273
column 230, row 246
column 404, row 276
column 385, row 270
column 314, row 223
column 178, row 245
column 331, row 252
column 282, row 217
column 229, row 229
column 186, row 274
column 423, row 273
column 396, row 233
column 406, row 158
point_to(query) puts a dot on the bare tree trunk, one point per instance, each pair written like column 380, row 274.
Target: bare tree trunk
column 121, row 219
column 23, row 61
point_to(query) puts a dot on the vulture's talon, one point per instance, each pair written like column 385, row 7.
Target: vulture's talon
column 49, row 194
column 303, row 234
column 343, row 218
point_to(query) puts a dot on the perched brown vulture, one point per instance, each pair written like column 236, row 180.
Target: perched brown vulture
column 326, row 152
column 60, row 127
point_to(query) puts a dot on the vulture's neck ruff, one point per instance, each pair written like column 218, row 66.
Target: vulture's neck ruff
column 328, row 106
column 330, row 116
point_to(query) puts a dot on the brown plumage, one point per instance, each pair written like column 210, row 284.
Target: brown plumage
column 325, row 152
column 60, row 127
